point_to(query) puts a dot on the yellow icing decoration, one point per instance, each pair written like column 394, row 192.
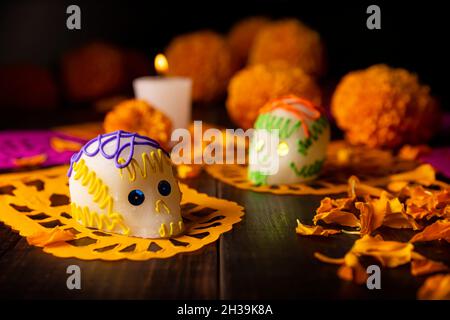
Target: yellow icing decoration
column 159, row 203
column 151, row 163
column 93, row 219
column 181, row 225
column 101, row 196
column 162, row 230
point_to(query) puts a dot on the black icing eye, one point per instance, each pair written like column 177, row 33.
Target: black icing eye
column 136, row 197
column 164, row 187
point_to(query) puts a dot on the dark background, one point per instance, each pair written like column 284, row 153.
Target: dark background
column 413, row 35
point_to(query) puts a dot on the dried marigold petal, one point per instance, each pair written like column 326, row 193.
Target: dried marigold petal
column 372, row 214
column 30, row 161
column 323, row 258
column 339, row 210
column 426, row 266
column 342, row 218
column 356, row 274
column 409, row 152
column 389, row 253
column 188, row 171
column 435, row 288
column 425, row 204
column 46, row 238
column 306, row 230
column 423, row 174
column 438, row 230
column 397, row 218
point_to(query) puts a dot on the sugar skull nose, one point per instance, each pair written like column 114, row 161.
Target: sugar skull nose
column 161, row 207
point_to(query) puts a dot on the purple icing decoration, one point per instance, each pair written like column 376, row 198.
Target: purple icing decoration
column 115, row 137
column 24, row 144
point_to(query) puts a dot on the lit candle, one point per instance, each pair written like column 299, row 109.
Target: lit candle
column 171, row 95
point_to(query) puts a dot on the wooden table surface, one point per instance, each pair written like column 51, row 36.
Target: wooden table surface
column 260, row 258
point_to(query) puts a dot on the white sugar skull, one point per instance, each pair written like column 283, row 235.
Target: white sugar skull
column 303, row 134
column 124, row 183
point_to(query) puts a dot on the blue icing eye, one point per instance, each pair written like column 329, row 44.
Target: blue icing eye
column 164, row 188
column 136, row 197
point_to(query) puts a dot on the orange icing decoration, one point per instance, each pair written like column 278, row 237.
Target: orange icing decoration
column 310, row 111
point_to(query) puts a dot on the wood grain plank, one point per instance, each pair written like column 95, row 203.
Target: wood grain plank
column 8, row 239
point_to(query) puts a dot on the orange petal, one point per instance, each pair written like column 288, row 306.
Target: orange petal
column 186, row 171
column 435, row 288
column 62, row 145
column 389, row 253
column 352, row 270
column 46, row 238
column 342, row 218
column 306, row 230
column 371, row 217
column 397, row 218
column 423, row 174
column 438, row 230
column 30, row 161
column 325, row 259
column 427, row 266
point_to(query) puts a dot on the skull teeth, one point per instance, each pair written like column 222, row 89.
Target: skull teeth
column 165, row 231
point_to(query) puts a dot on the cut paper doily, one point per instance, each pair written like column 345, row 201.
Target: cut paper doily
column 376, row 168
column 38, row 202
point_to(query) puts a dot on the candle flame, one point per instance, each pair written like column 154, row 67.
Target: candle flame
column 161, row 64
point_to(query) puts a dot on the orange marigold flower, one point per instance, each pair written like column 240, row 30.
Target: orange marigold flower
column 138, row 116
column 242, row 35
column 251, row 88
column 206, row 58
column 384, row 107
column 93, row 71
column 291, row 41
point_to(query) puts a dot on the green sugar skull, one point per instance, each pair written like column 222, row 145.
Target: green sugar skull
column 297, row 152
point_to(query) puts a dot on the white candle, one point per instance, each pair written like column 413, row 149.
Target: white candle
column 171, row 95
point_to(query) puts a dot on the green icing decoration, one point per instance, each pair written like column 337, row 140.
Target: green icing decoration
column 257, row 177
column 308, row 171
column 268, row 121
column 316, row 129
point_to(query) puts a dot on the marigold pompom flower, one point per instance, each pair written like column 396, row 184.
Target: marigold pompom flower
column 93, row 71
column 242, row 35
column 291, row 41
column 206, row 58
column 251, row 88
column 138, row 116
column 384, row 107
